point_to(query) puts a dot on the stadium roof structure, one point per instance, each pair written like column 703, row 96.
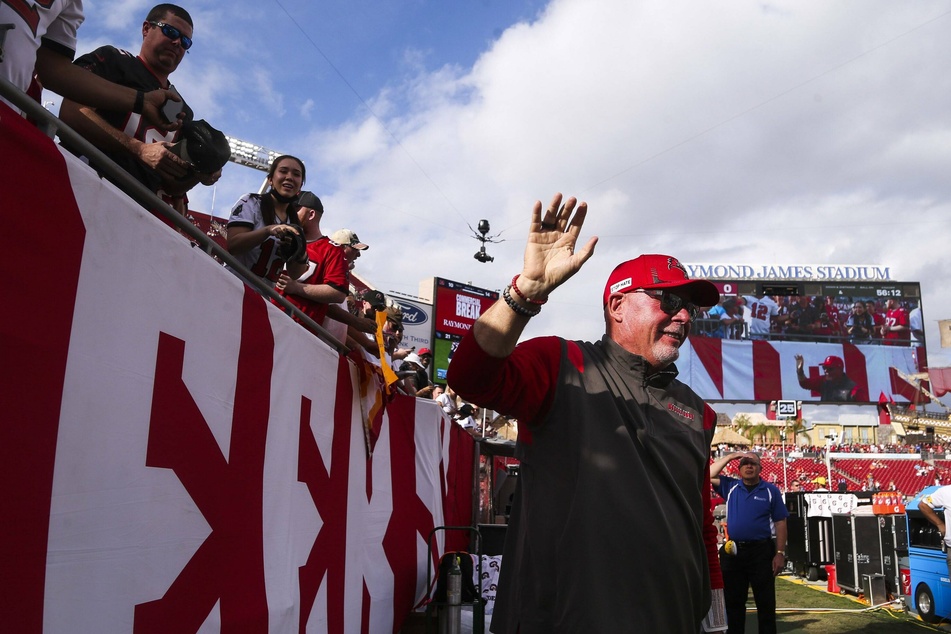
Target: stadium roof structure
column 727, row 436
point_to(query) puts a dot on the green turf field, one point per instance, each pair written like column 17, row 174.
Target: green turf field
column 809, row 608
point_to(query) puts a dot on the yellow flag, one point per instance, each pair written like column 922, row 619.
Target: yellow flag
column 388, row 373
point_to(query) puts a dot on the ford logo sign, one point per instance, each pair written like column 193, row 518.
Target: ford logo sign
column 412, row 314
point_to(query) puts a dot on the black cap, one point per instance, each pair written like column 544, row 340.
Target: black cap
column 310, row 200
column 376, row 299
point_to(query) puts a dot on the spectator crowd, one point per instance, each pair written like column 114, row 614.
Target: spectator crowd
column 862, row 468
column 890, row 321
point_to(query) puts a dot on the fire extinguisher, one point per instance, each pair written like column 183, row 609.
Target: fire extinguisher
column 450, row 618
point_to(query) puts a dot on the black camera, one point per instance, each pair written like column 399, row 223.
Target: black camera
column 482, row 256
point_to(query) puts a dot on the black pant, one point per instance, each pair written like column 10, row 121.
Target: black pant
column 751, row 566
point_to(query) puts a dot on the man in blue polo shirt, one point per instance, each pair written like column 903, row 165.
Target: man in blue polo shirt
column 754, row 512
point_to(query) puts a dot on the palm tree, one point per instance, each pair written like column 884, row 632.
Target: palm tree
column 767, row 433
column 762, row 431
column 796, row 426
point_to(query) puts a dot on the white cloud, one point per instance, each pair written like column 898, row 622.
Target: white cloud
column 306, row 108
column 119, row 14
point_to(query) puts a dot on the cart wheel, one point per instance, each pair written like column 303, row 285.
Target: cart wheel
column 812, row 574
column 924, row 603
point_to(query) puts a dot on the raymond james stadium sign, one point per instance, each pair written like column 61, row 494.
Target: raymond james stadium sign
column 808, row 272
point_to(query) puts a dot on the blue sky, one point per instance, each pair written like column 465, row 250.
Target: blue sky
column 776, row 132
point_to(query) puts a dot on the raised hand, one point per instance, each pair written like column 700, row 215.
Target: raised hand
column 550, row 256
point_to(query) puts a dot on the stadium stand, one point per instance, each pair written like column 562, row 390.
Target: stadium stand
column 909, row 476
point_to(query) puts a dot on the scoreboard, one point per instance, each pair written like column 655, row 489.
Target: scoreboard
column 456, row 307
column 852, row 290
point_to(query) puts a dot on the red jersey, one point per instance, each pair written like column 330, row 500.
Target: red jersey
column 327, row 266
column 897, row 317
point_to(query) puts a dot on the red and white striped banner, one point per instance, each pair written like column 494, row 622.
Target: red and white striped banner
column 176, row 453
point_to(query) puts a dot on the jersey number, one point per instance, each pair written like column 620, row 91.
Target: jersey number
column 266, row 267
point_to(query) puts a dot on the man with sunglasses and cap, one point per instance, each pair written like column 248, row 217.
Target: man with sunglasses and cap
column 614, row 450
column 750, row 558
column 834, row 386
column 136, row 145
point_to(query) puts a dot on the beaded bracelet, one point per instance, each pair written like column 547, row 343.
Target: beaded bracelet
column 516, row 307
column 536, row 302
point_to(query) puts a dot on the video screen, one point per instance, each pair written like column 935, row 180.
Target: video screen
column 806, row 341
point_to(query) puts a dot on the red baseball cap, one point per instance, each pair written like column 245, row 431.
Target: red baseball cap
column 659, row 271
column 833, row 361
column 424, row 351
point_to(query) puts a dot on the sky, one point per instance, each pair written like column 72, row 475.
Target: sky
column 774, row 133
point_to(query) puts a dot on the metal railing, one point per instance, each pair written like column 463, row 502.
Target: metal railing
column 50, row 125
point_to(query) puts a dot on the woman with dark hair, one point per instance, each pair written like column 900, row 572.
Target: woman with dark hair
column 263, row 227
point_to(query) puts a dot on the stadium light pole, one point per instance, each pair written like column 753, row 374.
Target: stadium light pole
column 782, row 436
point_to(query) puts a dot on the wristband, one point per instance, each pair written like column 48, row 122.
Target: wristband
column 516, row 307
column 139, row 102
column 536, row 302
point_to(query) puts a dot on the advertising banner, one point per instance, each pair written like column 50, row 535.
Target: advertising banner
column 456, row 307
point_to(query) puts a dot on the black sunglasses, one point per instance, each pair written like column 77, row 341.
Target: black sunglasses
column 746, row 461
column 173, row 34
column 671, row 303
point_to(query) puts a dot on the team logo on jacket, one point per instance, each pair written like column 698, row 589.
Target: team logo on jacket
column 680, row 411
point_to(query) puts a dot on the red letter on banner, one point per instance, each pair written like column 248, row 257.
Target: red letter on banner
column 411, row 518
column 229, row 565
column 328, row 489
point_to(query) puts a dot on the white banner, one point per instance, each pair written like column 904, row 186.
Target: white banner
column 186, row 456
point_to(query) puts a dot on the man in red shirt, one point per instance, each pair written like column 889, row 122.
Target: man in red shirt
column 895, row 330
